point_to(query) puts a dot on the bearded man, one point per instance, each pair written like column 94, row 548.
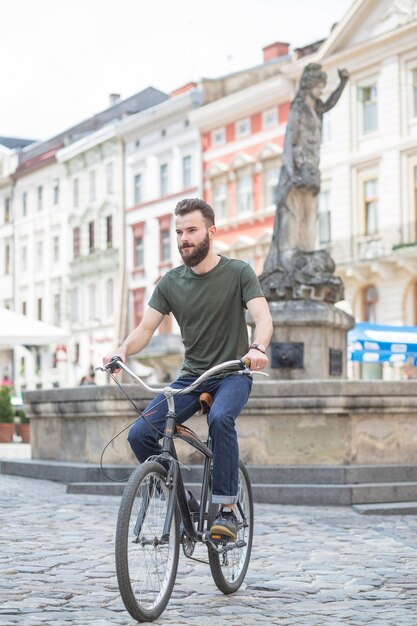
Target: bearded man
column 208, row 296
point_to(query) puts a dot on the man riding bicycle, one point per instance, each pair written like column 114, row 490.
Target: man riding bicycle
column 208, row 296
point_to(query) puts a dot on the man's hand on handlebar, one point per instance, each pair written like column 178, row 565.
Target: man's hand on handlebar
column 110, row 361
column 257, row 359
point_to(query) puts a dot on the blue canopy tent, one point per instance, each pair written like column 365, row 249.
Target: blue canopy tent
column 374, row 343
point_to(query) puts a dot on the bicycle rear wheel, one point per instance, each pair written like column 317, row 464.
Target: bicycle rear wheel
column 146, row 562
column 229, row 569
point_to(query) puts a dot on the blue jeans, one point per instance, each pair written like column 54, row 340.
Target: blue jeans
column 230, row 396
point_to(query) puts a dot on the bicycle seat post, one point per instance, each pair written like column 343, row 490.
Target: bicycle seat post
column 169, row 430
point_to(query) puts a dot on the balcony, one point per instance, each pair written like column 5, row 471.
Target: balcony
column 162, row 346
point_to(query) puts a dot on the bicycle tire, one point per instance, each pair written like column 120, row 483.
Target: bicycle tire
column 146, row 569
column 229, row 569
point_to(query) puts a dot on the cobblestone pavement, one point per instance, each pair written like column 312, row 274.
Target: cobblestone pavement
column 310, row 566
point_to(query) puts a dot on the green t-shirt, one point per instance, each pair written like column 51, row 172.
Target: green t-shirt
column 210, row 311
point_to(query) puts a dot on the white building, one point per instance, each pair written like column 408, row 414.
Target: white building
column 162, row 166
column 56, row 277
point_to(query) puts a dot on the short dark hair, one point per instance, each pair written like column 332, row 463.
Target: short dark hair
column 196, row 204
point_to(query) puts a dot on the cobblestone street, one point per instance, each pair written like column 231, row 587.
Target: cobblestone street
column 310, row 566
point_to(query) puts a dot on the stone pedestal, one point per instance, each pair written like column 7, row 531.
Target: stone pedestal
column 309, row 340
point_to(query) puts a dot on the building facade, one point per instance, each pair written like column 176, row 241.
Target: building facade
column 162, row 166
column 86, row 221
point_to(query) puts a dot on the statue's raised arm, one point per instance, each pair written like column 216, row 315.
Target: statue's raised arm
column 334, row 97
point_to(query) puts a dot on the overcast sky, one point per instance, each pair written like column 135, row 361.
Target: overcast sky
column 61, row 59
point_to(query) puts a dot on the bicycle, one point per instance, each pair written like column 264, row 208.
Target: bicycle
column 154, row 516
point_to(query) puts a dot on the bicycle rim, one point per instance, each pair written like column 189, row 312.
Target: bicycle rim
column 229, row 569
column 146, row 565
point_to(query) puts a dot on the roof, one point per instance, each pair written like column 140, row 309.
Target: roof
column 15, row 143
column 138, row 102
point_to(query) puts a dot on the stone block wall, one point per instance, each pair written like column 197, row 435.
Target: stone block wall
column 284, row 423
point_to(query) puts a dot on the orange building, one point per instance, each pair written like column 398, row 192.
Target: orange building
column 242, row 136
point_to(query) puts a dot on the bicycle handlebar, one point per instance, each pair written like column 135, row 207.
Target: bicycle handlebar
column 117, row 363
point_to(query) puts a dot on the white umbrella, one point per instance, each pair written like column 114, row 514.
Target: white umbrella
column 19, row 330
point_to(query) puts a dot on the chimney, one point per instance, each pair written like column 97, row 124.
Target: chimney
column 183, row 89
column 275, row 50
column 114, row 98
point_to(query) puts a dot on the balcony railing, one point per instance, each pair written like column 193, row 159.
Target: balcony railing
column 386, row 242
column 162, row 345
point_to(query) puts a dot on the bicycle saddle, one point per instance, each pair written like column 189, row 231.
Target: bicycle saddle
column 206, row 400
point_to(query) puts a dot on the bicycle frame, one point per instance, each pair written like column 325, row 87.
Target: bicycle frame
column 175, row 481
column 168, row 455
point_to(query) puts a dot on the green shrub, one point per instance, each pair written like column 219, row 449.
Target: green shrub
column 6, row 407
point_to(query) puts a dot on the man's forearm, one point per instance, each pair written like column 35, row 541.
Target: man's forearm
column 263, row 333
column 136, row 341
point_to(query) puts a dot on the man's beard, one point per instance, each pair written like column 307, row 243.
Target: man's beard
column 196, row 253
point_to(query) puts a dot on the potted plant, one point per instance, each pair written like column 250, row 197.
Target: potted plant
column 14, row 425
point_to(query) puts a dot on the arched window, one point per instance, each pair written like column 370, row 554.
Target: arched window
column 370, row 304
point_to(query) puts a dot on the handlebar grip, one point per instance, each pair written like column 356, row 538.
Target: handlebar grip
column 246, row 362
column 113, row 364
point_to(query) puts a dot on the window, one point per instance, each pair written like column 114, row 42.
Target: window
column 109, row 231
column 24, row 204
column 39, row 256
column 370, row 190
column 242, row 128
column 110, row 177
column 76, row 241
column 39, row 308
column 109, row 298
column 74, row 305
column 269, row 118
column 24, row 308
column 186, row 172
column 76, row 192
column 220, row 200
column 163, row 177
column 76, row 353
column 56, row 191
column 138, row 250
column 137, row 188
column 324, row 217
column 92, row 301
column 138, row 305
column 7, row 259
column 370, row 303
column 57, row 309
column 24, row 259
column 244, row 194
column 38, row 365
column 40, row 198
column 165, row 238
column 271, row 176
column 218, row 137
column 368, row 99
column 326, row 128
column 55, row 249
column 91, row 237
column 6, row 210
column 92, row 186
column 414, row 79
column 165, row 245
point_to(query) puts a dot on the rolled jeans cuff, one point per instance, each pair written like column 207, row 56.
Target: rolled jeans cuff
column 224, row 499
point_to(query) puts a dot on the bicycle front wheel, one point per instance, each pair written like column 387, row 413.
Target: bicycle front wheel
column 146, row 561
column 229, row 568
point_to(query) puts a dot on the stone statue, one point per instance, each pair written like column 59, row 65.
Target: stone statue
column 293, row 268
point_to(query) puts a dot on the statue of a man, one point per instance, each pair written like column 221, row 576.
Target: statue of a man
column 299, row 183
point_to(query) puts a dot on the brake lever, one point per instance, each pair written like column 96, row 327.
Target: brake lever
column 110, row 366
